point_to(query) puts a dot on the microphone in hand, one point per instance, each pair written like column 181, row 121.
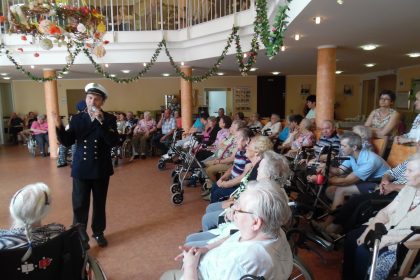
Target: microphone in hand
column 97, row 113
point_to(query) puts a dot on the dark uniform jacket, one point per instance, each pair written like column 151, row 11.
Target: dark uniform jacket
column 92, row 159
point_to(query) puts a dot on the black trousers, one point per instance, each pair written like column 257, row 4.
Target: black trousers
column 81, row 202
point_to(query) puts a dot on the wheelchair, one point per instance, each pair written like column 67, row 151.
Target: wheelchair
column 123, row 150
column 61, row 258
column 32, row 145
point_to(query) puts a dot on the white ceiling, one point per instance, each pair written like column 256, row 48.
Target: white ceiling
column 391, row 24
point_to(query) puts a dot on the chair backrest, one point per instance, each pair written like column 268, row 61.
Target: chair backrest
column 379, row 146
column 399, row 153
column 61, row 258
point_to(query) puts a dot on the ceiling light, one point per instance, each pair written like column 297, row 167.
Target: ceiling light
column 283, row 48
column 144, row 64
column 297, row 37
column 65, row 72
column 416, row 54
column 275, row 73
column 182, row 63
column 338, row 72
column 4, row 74
column 317, row 20
column 253, row 69
column 6, row 78
column 106, row 65
column 245, row 55
column 125, row 71
column 59, row 76
column 369, row 47
column 370, row 64
column 166, row 74
column 112, row 75
column 220, row 73
column 340, row 2
column 32, row 66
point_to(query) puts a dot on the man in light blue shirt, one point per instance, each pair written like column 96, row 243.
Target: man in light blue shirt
column 364, row 170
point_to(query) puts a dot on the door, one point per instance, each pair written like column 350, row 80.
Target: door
column 216, row 99
column 368, row 98
column 73, row 97
column 271, row 95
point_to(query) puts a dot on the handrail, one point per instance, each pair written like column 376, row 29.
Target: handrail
column 146, row 15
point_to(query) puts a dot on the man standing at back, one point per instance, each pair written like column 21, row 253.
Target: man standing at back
column 95, row 133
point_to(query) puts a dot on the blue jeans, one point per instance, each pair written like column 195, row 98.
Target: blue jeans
column 211, row 217
column 219, row 194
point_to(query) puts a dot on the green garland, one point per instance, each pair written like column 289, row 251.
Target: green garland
column 272, row 40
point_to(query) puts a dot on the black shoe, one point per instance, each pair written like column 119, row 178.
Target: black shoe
column 61, row 165
column 84, row 238
column 143, row 156
column 100, row 239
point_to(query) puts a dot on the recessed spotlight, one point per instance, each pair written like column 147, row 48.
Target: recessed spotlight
column 112, row 75
column 275, row 73
column 106, row 65
column 220, row 73
column 416, row 54
column 125, row 71
column 32, row 66
column 369, row 47
column 253, row 69
column 6, row 78
column 65, row 72
column 166, row 74
column 4, row 74
column 59, row 76
column 340, row 2
column 245, row 55
column 338, row 72
column 297, row 36
column 182, row 63
column 283, row 48
column 370, row 64
column 144, row 64
column 317, row 20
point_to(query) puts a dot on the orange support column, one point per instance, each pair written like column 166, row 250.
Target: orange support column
column 186, row 98
column 51, row 104
column 325, row 84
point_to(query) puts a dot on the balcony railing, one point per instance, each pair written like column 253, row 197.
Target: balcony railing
column 143, row 15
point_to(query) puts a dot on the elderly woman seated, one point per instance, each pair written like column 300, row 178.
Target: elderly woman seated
column 142, row 133
column 299, row 138
column 398, row 217
column 39, row 129
column 272, row 166
column 413, row 135
column 28, row 207
column 258, row 248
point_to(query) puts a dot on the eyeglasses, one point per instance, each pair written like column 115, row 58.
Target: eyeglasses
column 241, row 211
column 385, row 99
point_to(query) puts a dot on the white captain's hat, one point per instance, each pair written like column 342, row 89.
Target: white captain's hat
column 95, row 88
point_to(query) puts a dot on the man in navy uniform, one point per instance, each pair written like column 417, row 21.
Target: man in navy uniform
column 95, row 133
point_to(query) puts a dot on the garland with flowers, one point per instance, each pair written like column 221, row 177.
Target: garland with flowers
column 272, row 41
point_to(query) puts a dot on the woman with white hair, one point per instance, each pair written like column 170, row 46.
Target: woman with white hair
column 259, row 247
column 39, row 129
column 366, row 134
column 28, row 207
column 272, row 167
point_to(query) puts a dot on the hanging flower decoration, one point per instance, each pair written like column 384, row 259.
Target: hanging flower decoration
column 82, row 29
column 62, row 23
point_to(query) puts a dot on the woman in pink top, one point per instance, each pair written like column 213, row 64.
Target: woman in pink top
column 141, row 134
column 302, row 137
column 39, row 129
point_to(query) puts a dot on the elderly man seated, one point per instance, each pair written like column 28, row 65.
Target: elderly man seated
column 259, row 247
column 273, row 127
column 167, row 124
column 358, row 175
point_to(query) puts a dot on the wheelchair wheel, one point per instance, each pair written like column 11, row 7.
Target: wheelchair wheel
column 177, row 198
column 161, row 165
column 204, row 186
column 299, row 270
column 126, row 149
column 173, row 173
column 175, row 188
